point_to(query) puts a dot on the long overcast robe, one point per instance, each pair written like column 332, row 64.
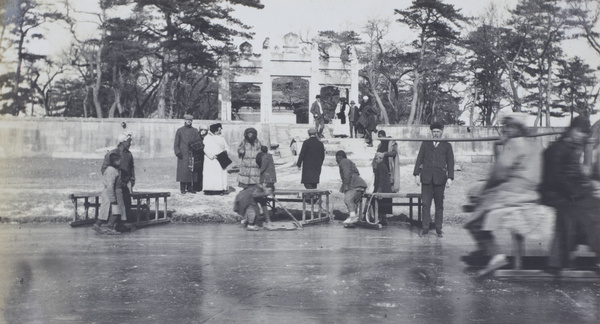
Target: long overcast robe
column 183, row 137
column 392, row 158
column 510, row 199
column 214, row 178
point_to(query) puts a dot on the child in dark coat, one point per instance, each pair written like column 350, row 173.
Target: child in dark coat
column 268, row 176
column 111, row 199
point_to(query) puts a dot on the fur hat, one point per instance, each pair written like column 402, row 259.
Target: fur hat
column 188, row 117
column 123, row 137
column 215, row 127
column 436, row 125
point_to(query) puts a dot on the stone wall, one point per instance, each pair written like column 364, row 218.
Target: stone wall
column 92, row 138
column 153, row 138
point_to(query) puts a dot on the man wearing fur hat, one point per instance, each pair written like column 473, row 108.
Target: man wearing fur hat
column 127, row 170
column 567, row 188
column 434, row 171
column 183, row 137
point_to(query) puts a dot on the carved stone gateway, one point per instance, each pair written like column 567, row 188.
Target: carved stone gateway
column 292, row 60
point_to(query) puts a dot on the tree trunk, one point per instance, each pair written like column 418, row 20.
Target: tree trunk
column 85, row 101
column 538, row 118
column 548, row 89
column 98, row 83
column 15, row 90
column 384, row 115
column 415, row 98
column 161, row 94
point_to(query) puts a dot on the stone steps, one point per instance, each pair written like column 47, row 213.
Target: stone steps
column 283, row 134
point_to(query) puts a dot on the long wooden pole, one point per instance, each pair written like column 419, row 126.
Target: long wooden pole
column 459, row 139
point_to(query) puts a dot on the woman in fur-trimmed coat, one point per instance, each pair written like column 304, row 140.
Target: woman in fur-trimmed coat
column 247, row 151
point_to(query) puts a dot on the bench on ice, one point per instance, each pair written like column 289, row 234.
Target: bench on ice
column 369, row 210
column 142, row 214
column 313, row 211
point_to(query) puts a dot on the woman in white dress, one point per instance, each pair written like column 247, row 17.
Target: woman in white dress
column 339, row 119
column 214, row 177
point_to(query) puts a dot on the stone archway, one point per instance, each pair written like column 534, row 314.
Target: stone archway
column 292, row 59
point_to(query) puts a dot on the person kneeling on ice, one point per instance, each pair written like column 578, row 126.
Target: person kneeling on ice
column 353, row 186
column 249, row 203
column 112, row 204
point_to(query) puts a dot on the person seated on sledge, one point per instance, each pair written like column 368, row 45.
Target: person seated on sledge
column 568, row 189
column 509, row 198
column 247, row 204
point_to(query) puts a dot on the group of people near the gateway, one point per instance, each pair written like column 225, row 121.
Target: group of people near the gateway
column 360, row 119
column 528, row 189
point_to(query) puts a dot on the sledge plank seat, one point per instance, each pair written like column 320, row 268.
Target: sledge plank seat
column 140, row 206
column 369, row 211
column 540, row 275
column 310, row 198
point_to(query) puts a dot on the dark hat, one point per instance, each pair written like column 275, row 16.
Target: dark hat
column 582, row 123
column 318, row 96
column 215, row 127
column 436, row 125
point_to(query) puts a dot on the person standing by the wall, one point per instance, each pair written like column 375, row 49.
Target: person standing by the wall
column 391, row 156
column 319, row 115
column 310, row 159
column 368, row 120
column 353, row 118
column 248, row 149
column 339, row 121
column 268, row 176
column 111, row 199
column 381, row 176
column 183, row 137
column 214, row 174
column 198, row 153
column 434, row 171
column 127, row 173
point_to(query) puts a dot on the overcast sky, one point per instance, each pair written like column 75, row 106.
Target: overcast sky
column 307, row 17
column 282, row 16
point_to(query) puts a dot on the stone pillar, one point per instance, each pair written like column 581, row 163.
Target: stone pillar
column 314, row 88
column 266, row 88
column 224, row 91
column 353, row 78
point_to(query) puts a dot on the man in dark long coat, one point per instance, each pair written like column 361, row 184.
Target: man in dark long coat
column 184, row 135
column 311, row 159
